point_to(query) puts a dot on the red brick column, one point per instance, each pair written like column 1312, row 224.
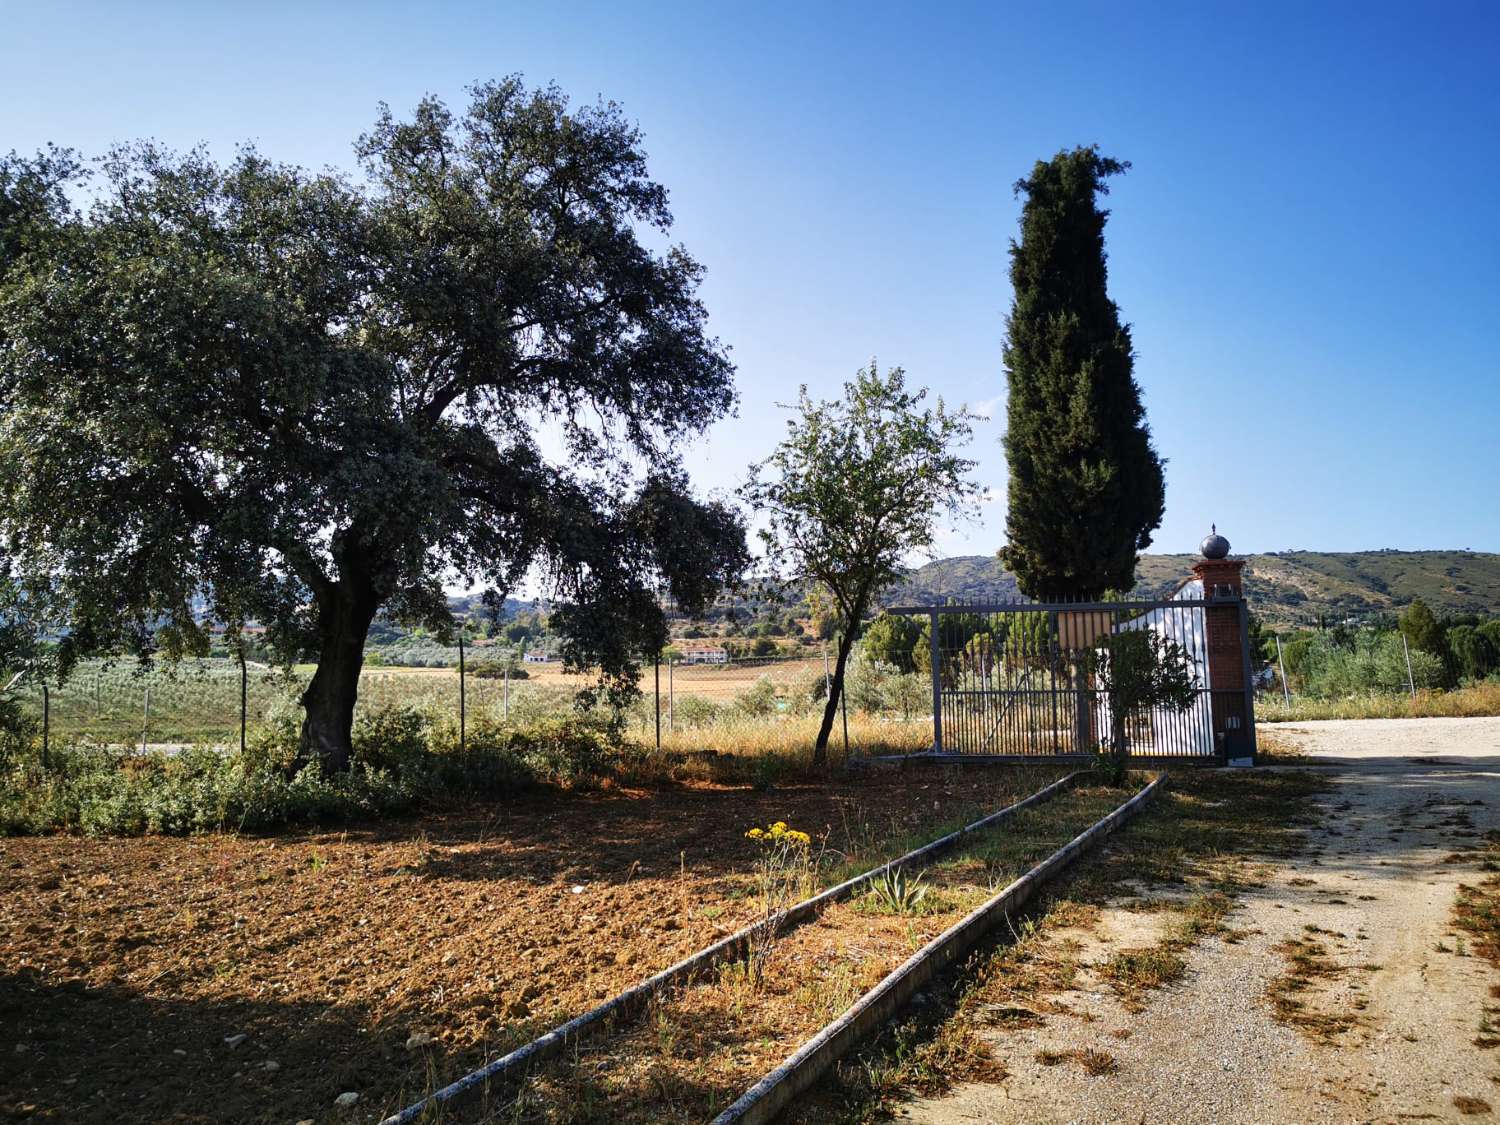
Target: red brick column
column 1233, row 721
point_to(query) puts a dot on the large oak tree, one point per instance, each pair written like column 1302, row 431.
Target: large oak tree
column 307, row 398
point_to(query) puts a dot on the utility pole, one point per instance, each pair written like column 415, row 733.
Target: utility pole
column 1411, row 683
column 462, row 701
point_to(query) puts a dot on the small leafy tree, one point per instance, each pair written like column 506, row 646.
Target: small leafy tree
column 857, row 485
column 1138, row 670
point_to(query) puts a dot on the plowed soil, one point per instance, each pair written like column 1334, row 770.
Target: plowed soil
column 243, row 979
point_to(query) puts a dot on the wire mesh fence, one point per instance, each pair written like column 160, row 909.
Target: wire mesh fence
column 694, row 701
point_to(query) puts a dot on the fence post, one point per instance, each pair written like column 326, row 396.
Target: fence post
column 505, row 694
column 1245, row 660
column 46, row 727
column 1286, row 692
column 671, row 695
column 937, row 683
column 462, row 700
column 145, row 720
column 827, row 675
column 244, row 696
column 1411, row 683
column 657, row 664
column 844, row 708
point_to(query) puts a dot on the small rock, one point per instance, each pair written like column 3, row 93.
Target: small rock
column 418, row 1039
column 577, row 890
column 20, row 1048
column 233, row 1041
column 344, row 1101
column 179, row 1051
column 270, row 1065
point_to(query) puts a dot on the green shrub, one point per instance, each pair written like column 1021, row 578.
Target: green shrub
column 401, row 758
column 758, row 700
column 694, row 711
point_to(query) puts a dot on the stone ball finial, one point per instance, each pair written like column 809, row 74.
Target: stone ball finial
column 1214, row 545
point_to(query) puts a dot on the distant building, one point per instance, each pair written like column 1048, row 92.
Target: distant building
column 705, row 654
column 535, row 658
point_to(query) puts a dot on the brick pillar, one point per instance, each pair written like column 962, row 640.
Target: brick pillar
column 1233, row 717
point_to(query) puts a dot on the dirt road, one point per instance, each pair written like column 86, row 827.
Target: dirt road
column 1382, row 1001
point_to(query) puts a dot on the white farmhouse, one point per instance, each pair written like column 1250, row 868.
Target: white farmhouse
column 705, row 654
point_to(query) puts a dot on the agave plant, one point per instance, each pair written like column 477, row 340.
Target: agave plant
column 898, row 894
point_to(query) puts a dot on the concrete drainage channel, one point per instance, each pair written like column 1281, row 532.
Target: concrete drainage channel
column 772, row 1093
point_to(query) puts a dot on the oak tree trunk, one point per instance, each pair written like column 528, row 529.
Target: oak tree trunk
column 330, row 696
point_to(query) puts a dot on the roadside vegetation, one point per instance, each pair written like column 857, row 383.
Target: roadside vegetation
column 1417, row 665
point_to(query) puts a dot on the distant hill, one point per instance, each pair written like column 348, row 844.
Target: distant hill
column 1283, row 586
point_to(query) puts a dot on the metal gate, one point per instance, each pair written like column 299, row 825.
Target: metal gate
column 1012, row 679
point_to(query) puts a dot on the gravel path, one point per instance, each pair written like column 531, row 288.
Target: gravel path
column 1407, row 793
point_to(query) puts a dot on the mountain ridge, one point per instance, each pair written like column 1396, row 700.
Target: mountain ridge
column 1292, row 587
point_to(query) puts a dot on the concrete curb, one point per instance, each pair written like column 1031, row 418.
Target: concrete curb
column 773, row 1093
column 735, row 945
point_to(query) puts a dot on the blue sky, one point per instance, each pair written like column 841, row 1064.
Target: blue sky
column 1306, row 246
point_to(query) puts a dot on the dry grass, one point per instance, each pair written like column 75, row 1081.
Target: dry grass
column 1308, row 962
column 1461, row 703
column 1097, row 1064
column 1476, row 912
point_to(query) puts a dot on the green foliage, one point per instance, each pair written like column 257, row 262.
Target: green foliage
column 1367, row 661
column 891, row 639
column 303, row 399
column 856, row 486
column 690, row 711
column 758, row 700
column 894, row 893
column 1422, row 629
column 1086, row 486
column 402, row 759
column 1473, row 651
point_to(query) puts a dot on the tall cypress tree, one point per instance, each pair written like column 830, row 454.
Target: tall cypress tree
column 1086, row 487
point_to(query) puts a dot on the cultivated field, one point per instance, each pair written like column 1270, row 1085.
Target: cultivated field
column 226, row 978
